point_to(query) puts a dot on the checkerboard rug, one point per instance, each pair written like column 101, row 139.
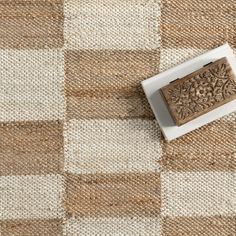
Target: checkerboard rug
column 80, row 151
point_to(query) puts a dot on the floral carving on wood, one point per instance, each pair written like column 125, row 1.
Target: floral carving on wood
column 199, row 92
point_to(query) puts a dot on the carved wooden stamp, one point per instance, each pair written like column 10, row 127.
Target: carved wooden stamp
column 200, row 92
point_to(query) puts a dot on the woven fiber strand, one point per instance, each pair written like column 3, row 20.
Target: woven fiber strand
column 80, row 151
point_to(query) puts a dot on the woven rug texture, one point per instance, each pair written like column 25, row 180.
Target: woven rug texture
column 80, row 150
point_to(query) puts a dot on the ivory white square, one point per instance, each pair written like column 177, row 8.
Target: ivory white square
column 32, row 86
column 112, row 226
column 112, row 146
column 112, row 24
column 170, row 57
column 198, row 193
column 31, row 197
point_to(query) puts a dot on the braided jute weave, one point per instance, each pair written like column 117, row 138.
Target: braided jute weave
column 80, row 151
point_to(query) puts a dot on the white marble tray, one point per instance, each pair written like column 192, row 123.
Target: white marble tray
column 152, row 85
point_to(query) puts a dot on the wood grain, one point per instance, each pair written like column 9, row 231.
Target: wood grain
column 200, row 92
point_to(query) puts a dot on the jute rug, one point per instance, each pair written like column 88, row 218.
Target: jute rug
column 80, row 151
